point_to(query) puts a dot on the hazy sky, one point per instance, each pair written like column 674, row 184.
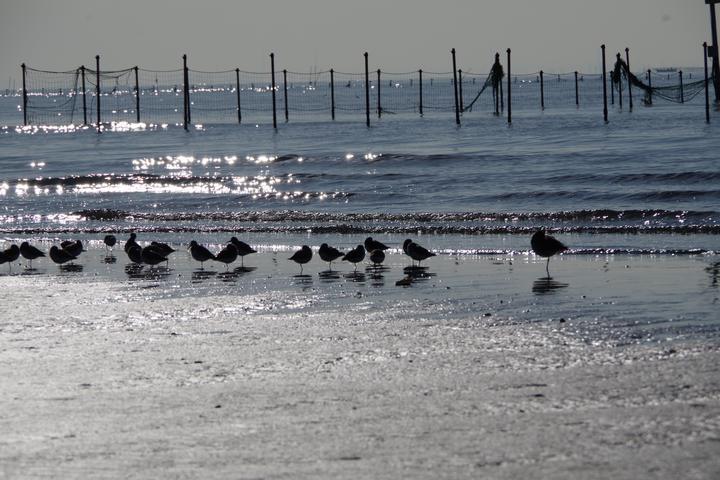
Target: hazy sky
column 400, row 35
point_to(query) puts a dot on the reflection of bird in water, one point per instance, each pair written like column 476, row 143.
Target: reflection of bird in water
column 9, row 255
column 371, row 245
column 377, row 257
column 416, row 252
column 329, row 254
column 302, row 256
column 242, row 249
column 546, row 246
column 60, row 255
column 200, row 253
column 547, row 285
column 355, row 256
column 227, row 255
column 29, row 252
column 109, row 241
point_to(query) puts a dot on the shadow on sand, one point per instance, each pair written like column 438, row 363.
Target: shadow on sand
column 545, row 285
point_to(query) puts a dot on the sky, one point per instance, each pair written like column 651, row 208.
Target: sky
column 314, row 35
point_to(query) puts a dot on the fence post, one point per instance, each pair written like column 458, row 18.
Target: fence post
column 97, row 89
column 649, row 73
column 367, row 92
column 509, row 98
column 460, row 92
column 379, row 106
column 455, row 88
column 604, row 67
column 137, row 95
column 627, row 60
column 420, row 82
column 186, row 95
column 542, row 91
column 237, row 92
column 682, row 94
column 619, row 85
column 707, row 85
column 272, row 76
column 332, row 93
column 577, row 90
column 287, row 118
column 82, row 72
column 24, row 73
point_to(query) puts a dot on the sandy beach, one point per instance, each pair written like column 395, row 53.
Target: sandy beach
column 472, row 373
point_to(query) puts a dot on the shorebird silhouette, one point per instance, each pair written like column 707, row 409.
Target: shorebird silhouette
column 200, row 253
column 416, row 252
column 134, row 253
column 151, row 256
column 9, row 255
column 29, row 252
column 546, row 246
column 162, row 248
column 377, row 257
column 60, row 255
column 73, row 248
column 242, row 249
column 355, row 256
column 371, row 245
column 130, row 242
column 302, row 256
column 227, row 255
column 109, row 241
column 329, row 254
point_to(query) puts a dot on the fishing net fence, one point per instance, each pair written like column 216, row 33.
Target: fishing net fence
column 188, row 96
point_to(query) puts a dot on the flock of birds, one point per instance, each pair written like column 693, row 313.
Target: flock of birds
column 157, row 252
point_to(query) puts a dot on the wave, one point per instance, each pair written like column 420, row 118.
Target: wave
column 689, row 177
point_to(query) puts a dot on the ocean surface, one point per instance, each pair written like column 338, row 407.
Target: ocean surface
column 643, row 188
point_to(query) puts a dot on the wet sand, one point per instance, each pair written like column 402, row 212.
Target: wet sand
column 479, row 370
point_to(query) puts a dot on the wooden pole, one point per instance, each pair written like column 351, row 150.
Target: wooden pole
column 627, row 61
column 272, row 75
column 682, row 93
column 649, row 74
column 577, row 90
column 379, row 105
column 97, row 89
column 367, row 91
column 287, row 118
column 237, row 92
column 137, row 95
column 707, row 84
column 186, row 95
column 509, row 95
column 455, row 88
column 604, row 68
column 542, row 91
column 619, row 86
column 25, row 96
column 82, row 72
column 332, row 94
column 420, row 82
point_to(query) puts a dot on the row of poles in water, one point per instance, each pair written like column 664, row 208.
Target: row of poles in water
column 456, row 82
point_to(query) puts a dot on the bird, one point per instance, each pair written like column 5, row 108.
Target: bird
column 134, row 253
column 73, row 248
column 109, row 241
column 151, row 256
column 416, row 252
column 371, row 245
column 60, row 255
column 227, row 255
column 163, row 248
column 130, row 242
column 302, row 256
column 200, row 253
column 329, row 254
column 242, row 249
column 355, row 256
column 546, row 246
column 9, row 255
column 377, row 257
column 29, row 252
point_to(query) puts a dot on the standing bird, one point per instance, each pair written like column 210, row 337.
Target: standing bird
column 242, row 249
column 73, row 248
column 162, row 248
column 131, row 242
column 109, row 242
column 151, row 256
column 227, row 255
column 200, row 253
column 416, row 252
column 355, row 256
column 329, row 254
column 377, row 257
column 134, row 253
column 9, row 255
column 371, row 245
column 60, row 255
column 29, row 252
column 546, row 246
column 302, row 256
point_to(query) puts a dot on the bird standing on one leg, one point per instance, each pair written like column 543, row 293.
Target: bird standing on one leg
column 546, row 246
